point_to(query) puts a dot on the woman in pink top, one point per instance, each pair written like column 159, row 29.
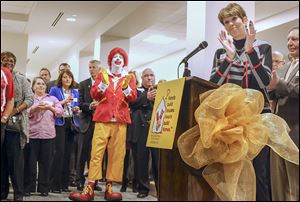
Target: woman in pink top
column 42, row 116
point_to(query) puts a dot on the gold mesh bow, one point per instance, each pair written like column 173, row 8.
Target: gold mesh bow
column 230, row 133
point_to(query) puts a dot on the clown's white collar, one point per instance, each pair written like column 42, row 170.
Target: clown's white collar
column 123, row 73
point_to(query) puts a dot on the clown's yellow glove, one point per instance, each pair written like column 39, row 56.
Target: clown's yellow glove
column 126, row 81
column 105, row 78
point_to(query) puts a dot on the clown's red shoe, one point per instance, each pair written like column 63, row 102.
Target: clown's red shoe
column 111, row 196
column 86, row 195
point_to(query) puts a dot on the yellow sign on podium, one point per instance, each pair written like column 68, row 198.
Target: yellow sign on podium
column 165, row 114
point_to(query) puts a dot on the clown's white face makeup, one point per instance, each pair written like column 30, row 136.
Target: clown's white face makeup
column 117, row 64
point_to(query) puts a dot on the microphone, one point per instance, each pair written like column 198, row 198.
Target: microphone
column 187, row 72
column 201, row 46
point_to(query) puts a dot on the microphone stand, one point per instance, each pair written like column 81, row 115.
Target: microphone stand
column 186, row 72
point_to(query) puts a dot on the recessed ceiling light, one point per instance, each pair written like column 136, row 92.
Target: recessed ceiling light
column 159, row 39
column 74, row 15
column 51, row 41
column 71, row 19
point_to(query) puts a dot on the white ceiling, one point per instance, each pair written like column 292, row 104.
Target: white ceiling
column 264, row 9
column 167, row 18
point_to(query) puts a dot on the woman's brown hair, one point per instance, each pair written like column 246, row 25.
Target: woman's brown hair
column 232, row 9
column 69, row 73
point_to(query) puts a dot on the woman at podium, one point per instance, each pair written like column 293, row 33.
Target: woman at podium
column 245, row 61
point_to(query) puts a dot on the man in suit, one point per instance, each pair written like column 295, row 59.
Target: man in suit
column 285, row 175
column 45, row 74
column 88, row 106
column 142, row 111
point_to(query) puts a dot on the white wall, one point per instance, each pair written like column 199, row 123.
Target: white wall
column 277, row 37
column 195, row 34
column 84, row 67
column 164, row 68
column 110, row 42
column 72, row 58
column 17, row 44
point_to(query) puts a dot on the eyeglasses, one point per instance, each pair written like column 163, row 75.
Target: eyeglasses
column 277, row 61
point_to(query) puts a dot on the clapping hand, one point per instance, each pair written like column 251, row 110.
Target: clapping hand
column 126, row 81
column 250, row 37
column 76, row 109
column 151, row 94
column 43, row 106
column 94, row 104
column 274, row 80
column 105, row 78
column 68, row 100
column 227, row 44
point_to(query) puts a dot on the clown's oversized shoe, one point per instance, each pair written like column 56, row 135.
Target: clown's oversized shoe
column 86, row 195
column 111, row 196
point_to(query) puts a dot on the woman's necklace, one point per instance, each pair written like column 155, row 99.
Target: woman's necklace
column 240, row 50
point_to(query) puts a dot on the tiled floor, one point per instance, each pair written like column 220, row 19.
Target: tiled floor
column 99, row 196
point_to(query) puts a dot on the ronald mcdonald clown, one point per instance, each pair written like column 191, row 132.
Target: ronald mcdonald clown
column 113, row 88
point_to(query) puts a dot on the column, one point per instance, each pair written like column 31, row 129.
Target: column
column 18, row 45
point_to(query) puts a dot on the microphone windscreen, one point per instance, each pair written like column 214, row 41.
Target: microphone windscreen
column 203, row 44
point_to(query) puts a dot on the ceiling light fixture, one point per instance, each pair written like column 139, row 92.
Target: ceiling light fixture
column 159, row 39
column 71, row 19
column 51, row 41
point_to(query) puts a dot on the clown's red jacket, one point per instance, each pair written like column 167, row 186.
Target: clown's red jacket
column 113, row 106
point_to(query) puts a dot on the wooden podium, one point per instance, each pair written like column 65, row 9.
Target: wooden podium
column 177, row 180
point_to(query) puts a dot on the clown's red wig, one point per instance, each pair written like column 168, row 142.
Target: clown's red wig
column 120, row 51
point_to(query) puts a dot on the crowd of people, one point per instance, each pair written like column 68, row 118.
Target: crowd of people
column 66, row 126
column 52, row 130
